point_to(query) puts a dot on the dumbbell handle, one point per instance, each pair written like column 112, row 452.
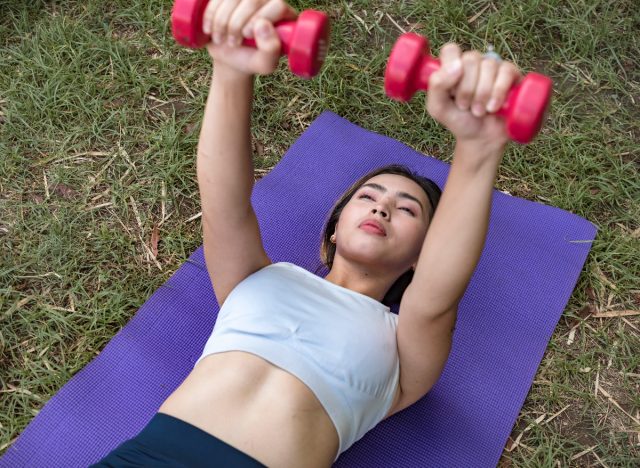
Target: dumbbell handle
column 431, row 64
column 284, row 29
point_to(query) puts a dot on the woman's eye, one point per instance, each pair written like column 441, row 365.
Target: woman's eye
column 364, row 195
column 408, row 211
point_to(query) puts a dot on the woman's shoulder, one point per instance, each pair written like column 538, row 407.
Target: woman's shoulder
column 291, row 268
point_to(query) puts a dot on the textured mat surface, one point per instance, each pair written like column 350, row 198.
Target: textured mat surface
column 529, row 267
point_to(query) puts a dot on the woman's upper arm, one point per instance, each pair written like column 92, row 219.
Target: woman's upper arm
column 424, row 342
column 233, row 250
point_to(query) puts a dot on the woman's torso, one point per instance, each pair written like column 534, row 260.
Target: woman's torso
column 270, row 413
column 258, row 408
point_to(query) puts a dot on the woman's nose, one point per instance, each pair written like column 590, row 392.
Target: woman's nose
column 380, row 210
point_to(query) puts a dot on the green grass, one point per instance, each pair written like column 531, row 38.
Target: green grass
column 99, row 118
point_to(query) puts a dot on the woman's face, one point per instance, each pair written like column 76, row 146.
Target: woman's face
column 384, row 223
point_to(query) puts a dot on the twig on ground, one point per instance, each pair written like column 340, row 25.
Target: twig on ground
column 583, row 453
column 163, row 196
column 604, row 279
column 615, row 403
column 136, row 214
column 94, row 179
column 630, row 324
column 616, row 313
column 44, row 275
column 600, row 461
column 402, row 30
column 194, row 217
column 479, row 14
column 553, row 416
column 166, row 218
column 101, row 205
column 4, row 446
column 150, row 253
column 186, row 87
column 121, row 223
column 537, row 421
column 46, row 185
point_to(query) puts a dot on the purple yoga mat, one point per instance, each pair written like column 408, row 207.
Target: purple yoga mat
column 528, row 269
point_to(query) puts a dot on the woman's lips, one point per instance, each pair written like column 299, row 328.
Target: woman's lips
column 373, row 229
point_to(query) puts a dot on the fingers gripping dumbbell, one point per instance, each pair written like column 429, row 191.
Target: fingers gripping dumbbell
column 410, row 65
column 305, row 41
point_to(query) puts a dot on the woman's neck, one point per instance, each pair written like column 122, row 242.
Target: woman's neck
column 361, row 278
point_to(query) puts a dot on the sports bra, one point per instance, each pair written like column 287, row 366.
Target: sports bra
column 338, row 342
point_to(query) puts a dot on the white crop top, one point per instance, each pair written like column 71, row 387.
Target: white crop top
column 340, row 343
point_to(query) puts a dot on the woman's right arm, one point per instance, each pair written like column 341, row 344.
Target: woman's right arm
column 233, row 246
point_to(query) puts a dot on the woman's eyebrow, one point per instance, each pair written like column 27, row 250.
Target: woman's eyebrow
column 383, row 189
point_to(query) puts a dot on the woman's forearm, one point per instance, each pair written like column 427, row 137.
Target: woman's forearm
column 458, row 230
column 224, row 161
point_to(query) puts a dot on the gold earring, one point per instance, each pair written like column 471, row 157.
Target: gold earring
column 333, row 238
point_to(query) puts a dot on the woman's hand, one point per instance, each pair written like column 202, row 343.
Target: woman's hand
column 466, row 91
column 229, row 21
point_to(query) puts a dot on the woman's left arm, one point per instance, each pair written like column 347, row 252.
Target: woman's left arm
column 456, row 236
column 461, row 94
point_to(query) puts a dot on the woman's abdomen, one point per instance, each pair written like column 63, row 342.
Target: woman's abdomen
column 256, row 407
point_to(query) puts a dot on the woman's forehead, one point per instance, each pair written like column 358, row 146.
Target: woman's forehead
column 394, row 183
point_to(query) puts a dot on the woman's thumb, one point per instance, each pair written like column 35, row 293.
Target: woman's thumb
column 266, row 59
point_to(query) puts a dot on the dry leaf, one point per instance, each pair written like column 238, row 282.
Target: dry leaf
column 587, row 310
column 259, row 147
column 64, row 191
column 582, row 314
column 155, row 238
column 189, row 128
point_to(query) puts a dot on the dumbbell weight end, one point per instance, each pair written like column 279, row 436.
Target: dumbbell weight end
column 409, row 67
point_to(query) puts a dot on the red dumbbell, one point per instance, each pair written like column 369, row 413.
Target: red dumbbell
column 410, row 65
column 305, row 41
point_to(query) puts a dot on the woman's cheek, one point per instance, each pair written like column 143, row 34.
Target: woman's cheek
column 417, row 237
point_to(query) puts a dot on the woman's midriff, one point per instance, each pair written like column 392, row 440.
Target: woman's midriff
column 257, row 408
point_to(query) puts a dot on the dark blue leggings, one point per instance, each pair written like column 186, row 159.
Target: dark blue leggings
column 168, row 441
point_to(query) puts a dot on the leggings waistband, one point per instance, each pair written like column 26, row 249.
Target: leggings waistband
column 168, row 441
